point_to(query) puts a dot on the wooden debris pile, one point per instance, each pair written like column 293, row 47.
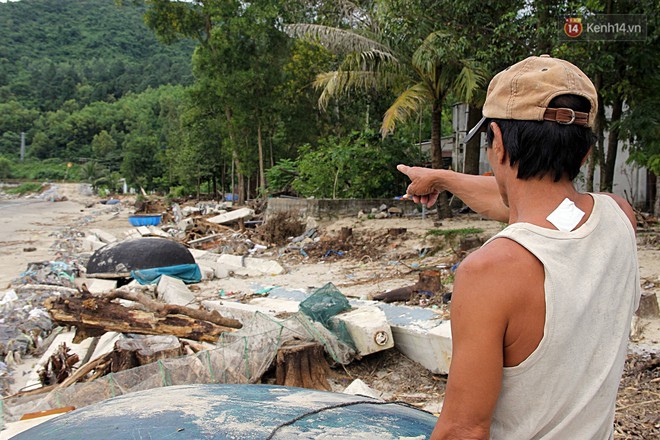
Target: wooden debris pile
column 94, row 316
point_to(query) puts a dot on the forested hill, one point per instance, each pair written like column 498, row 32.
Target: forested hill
column 52, row 51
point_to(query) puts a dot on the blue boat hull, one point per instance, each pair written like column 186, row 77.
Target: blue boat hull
column 237, row 412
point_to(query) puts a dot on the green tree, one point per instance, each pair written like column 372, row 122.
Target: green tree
column 103, row 144
column 238, row 67
column 423, row 73
column 356, row 166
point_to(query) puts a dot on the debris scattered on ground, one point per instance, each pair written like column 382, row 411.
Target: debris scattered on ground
column 638, row 402
column 59, row 366
column 211, row 331
column 56, row 273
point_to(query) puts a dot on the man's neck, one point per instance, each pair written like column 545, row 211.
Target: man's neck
column 531, row 201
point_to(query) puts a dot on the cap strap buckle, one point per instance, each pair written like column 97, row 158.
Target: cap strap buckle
column 567, row 122
column 566, row 116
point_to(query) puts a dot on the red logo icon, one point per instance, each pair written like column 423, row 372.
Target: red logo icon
column 573, row 27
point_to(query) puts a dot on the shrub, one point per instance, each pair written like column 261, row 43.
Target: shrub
column 5, row 168
column 24, row 188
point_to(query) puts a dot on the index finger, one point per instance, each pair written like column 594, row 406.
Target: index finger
column 403, row 168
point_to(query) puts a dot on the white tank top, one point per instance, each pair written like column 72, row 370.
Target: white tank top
column 566, row 389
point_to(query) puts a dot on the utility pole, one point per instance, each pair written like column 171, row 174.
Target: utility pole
column 22, row 145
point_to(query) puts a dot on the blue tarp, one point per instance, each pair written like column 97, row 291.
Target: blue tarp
column 188, row 273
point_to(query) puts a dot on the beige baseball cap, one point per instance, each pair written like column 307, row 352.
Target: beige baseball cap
column 524, row 91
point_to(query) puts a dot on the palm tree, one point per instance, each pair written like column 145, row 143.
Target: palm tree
column 93, row 173
column 423, row 76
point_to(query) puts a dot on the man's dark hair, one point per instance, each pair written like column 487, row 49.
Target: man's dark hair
column 542, row 147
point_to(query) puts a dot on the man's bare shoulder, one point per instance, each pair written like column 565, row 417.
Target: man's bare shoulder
column 499, row 271
column 501, row 254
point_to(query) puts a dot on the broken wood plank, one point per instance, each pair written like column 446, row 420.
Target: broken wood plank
column 48, row 412
column 59, row 366
column 164, row 309
column 90, row 314
column 84, row 370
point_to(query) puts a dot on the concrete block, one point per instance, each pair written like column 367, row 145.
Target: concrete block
column 190, row 210
column 430, row 348
column 104, row 236
column 155, row 231
column 245, row 266
column 267, row 267
column 231, row 260
column 220, row 271
column 185, row 224
column 418, row 333
column 91, row 243
column 151, row 231
column 232, row 216
column 245, row 312
column 131, row 233
column 227, row 265
column 369, row 329
column 174, row 291
column 208, row 272
column 97, row 285
column 205, row 257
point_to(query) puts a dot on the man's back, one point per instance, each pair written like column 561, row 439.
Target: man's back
column 566, row 388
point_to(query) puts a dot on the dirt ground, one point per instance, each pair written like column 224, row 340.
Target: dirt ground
column 380, row 255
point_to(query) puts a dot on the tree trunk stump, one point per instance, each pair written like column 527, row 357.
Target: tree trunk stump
column 302, row 364
column 648, row 306
column 345, row 233
column 131, row 353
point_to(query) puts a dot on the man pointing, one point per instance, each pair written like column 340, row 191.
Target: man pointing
column 541, row 313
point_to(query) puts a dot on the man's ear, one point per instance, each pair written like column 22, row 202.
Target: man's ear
column 498, row 145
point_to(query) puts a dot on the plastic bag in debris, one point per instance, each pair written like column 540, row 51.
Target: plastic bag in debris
column 22, row 319
column 242, row 356
column 57, row 273
column 325, row 303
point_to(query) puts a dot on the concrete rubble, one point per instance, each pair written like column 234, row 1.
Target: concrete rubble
column 416, row 332
column 269, row 316
column 232, row 216
column 174, row 291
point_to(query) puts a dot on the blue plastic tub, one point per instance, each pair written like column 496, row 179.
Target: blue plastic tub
column 145, row 219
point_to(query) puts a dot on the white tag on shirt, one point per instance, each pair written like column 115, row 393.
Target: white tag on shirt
column 566, row 216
